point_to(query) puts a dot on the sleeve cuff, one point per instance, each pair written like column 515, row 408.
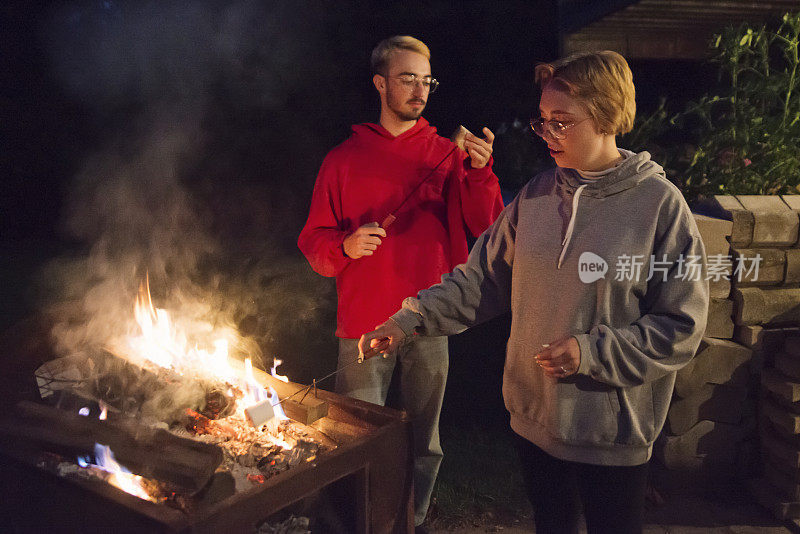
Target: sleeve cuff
column 469, row 169
column 407, row 320
column 587, row 356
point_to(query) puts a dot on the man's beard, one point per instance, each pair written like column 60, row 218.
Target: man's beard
column 406, row 115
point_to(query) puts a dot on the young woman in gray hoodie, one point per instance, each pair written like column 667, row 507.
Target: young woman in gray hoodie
column 601, row 265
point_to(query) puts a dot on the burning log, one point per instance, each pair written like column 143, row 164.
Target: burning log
column 218, row 404
column 149, row 452
column 150, row 391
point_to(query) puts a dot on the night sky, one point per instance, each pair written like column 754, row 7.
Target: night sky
column 115, row 112
column 275, row 86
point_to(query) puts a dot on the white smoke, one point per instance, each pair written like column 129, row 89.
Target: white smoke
column 153, row 73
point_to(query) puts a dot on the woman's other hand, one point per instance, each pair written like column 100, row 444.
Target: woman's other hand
column 561, row 358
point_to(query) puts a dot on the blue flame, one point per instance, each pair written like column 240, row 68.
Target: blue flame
column 275, row 401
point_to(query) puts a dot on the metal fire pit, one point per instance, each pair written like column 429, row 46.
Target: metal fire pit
column 366, row 482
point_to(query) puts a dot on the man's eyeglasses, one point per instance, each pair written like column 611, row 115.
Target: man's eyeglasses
column 557, row 129
column 411, row 80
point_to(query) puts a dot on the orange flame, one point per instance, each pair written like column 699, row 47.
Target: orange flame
column 274, row 370
column 162, row 343
column 120, row 477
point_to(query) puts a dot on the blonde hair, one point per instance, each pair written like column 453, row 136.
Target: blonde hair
column 601, row 81
column 380, row 55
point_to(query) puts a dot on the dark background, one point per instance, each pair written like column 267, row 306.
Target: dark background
column 267, row 89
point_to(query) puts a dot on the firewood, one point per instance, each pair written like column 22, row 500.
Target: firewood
column 146, row 451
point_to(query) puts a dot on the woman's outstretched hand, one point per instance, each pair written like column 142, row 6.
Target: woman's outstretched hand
column 560, row 358
column 389, row 332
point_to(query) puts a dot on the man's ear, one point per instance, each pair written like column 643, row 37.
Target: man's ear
column 379, row 82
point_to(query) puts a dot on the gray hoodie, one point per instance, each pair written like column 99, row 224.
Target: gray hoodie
column 543, row 260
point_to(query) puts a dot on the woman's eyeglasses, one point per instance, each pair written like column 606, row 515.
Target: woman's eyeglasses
column 557, row 129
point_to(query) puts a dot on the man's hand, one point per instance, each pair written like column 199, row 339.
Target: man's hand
column 561, row 358
column 479, row 150
column 389, row 331
column 364, row 241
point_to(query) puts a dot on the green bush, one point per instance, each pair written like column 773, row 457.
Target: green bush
column 743, row 140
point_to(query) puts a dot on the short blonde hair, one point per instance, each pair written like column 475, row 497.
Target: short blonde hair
column 380, row 55
column 601, row 81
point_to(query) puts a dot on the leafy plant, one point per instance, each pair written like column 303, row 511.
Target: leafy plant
column 743, row 140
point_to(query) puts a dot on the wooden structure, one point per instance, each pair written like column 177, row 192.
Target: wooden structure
column 659, row 29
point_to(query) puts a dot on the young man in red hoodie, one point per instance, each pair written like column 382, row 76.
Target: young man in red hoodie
column 436, row 192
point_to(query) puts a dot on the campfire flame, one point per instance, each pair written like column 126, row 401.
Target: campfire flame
column 120, row 477
column 165, row 345
column 200, row 351
column 274, row 370
column 254, row 392
column 160, row 342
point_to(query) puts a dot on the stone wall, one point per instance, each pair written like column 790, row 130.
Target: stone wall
column 737, row 404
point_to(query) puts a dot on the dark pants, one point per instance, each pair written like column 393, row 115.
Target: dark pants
column 611, row 497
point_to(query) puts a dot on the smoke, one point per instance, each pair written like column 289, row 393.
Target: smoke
column 140, row 51
column 173, row 190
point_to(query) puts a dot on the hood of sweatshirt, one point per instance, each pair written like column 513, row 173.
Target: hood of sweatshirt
column 375, row 133
column 633, row 169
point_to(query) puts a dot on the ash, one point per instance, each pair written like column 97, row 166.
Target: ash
column 253, row 455
column 292, row 525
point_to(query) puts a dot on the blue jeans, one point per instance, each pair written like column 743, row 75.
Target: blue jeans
column 423, row 374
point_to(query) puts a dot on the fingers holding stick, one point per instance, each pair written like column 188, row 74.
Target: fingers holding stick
column 385, row 340
column 364, row 241
column 479, row 150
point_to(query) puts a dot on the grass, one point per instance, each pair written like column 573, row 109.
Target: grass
column 479, row 481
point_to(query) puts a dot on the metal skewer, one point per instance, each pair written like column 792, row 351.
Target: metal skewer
column 369, row 353
column 391, row 217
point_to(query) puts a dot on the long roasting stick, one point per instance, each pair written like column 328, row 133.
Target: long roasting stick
column 391, row 217
column 369, row 353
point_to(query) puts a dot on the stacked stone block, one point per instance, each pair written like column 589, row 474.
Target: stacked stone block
column 711, row 421
column 767, row 316
column 779, row 423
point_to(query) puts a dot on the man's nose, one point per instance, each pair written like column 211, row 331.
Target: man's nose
column 419, row 88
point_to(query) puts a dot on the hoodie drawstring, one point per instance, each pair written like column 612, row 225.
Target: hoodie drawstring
column 571, row 225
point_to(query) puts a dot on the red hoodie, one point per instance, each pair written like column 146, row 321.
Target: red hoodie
column 365, row 179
